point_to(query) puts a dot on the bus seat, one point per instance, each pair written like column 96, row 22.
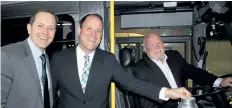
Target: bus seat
column 127, row 58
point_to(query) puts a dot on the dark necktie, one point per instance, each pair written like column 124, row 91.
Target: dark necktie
column 45, row 82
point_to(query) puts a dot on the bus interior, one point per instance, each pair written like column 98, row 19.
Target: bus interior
column 200, row 30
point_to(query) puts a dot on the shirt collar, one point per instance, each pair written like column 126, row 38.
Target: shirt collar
column 165, row 58
column 36, row 52
column 81, row 53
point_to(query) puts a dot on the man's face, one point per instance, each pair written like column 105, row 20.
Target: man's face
column 42, row 31
column 154, row 47
column 90, row 34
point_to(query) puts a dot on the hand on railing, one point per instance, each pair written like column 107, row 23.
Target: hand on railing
column 176, row 93
column 226, row 82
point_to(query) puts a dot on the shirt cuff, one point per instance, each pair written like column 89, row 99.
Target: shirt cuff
column 162, row 94
column 217, row 82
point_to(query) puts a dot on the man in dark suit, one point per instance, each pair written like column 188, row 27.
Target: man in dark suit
column 25, row 75
column 83, row 73
column 169, row 69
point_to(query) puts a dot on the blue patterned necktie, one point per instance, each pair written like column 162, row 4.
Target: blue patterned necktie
column 45, row 82
column 85, row 73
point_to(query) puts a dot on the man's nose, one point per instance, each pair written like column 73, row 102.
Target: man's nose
column 157, row 46
column 94, row 32
column 46, row 30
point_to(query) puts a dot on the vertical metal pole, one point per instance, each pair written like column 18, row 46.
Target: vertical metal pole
column 112, row 50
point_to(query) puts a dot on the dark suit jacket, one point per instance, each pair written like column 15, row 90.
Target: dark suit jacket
column 147, row 70
column 103, row 71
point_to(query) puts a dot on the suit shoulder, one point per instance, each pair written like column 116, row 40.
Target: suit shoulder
column 172, row 52
column 63, row 51
column 13, row 49
column 104, row 53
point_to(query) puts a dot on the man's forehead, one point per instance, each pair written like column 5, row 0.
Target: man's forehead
column 153, row 35
column 153, row 39
column 91, row 18
column 43, row 15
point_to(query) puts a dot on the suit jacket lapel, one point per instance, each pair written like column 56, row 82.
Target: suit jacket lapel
column 157, row 72
column 94, row 74
column 73, row 74
column 174, row 69
column 49, row 81
column 30, row 62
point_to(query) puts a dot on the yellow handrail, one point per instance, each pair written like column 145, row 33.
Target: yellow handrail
column 112, row 50
column 112, row 41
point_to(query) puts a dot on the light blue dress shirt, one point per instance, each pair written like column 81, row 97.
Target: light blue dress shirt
column 36, row 52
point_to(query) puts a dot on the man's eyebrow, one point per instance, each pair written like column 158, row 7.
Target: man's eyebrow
column 39, row 23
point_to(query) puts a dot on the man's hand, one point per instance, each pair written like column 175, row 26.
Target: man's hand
column 176, row 93
column 226, row 82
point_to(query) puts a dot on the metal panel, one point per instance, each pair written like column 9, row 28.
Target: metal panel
column 26, row 9
column 156, row 20
column 11, row 2
column 199, row 31
column 90, row 7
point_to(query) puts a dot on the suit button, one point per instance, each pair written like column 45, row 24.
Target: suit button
column 85, row 102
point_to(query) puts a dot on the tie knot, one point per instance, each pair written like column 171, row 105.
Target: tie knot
column 86, row 58
column 43, row 58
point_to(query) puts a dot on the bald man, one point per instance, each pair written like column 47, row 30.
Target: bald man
column 169, row 69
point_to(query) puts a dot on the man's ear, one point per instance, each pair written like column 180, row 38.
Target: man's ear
column 29, row 28
column 144, row 50
column 79, row 30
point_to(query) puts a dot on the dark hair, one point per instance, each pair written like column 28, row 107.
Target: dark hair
column 94, row 14
column 32, row 19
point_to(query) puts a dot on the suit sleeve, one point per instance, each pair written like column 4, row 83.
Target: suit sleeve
column 6, row 78
column 198, row 75
column 128, row 82
column 55, row 85
column 144, row 103
column 148, row 104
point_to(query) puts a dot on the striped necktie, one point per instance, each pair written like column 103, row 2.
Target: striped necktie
column 85, row 73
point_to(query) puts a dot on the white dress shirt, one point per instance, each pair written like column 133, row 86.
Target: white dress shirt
column 166, row 71
column 81, row 60
column 169, row 76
